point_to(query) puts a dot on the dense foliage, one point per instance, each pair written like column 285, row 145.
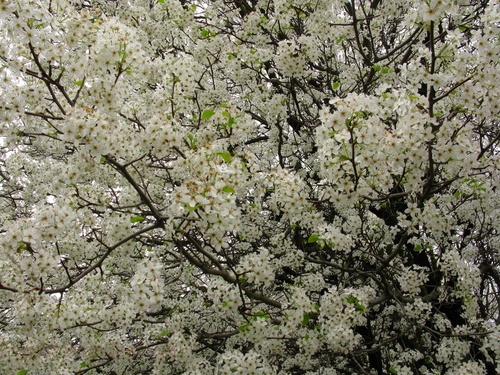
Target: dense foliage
column 249, row 187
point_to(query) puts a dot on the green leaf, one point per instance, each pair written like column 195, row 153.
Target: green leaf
column 193, row 208
column 244, row 327
column 79, row 83
column 226, row 156
column 355, row 301
column 417, row 248
column 230, row 120
column 393, row 371
column 313, row 238
column 261, row 314
column 335, row 85
column 352, row 299
column 22, row 372
column 161, row 1
column 306, row 318
column 362, row 114
column 165, row 333
column 172, row 311
column 192, row 141
column 83, row 365
column 207, row 33
column 228, row 189
column 207, row 113
column 376, row 68
column 136, row 219
column 386, row 70
column 21, row 246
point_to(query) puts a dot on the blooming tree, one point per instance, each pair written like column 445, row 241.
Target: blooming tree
column 249, row 187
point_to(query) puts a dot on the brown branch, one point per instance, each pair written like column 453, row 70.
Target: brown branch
column 393, row 255
column 46, row 78
column 101, row 260
column 122, row 169
column 77, row 95
column 4, row 287
column 403, row 44
column 226, row 276
column 90, row 368
column 489, row 145
column 454, row 87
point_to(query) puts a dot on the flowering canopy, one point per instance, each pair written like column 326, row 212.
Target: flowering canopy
column 249, row 187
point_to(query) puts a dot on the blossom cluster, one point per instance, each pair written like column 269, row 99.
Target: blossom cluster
column 249, row 187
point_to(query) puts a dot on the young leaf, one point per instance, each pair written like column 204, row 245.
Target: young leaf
column 244, row 327
column 226, row 156
column 306, row 319
column 22, row 372
column 207, row 113
column 192, row 141
column 313, row 238
column 164, row 333
column 136, row 219
column 228, row 189
column 352, row 299
column 260, row 314
column 359, row 307
column 193, row 208
column 229, row 124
